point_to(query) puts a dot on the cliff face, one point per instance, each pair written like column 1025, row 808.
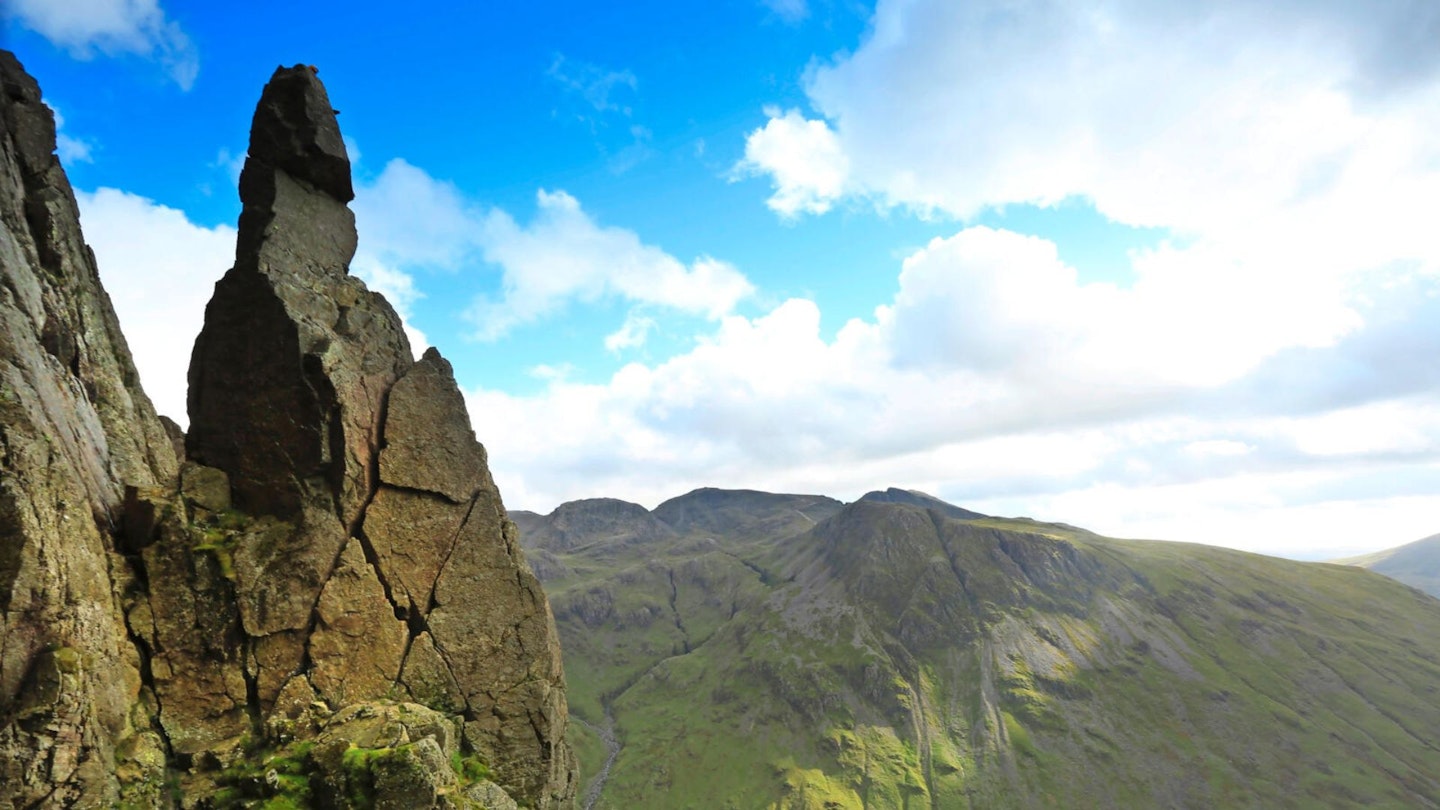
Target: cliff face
column 334, row 546
column 74, row 425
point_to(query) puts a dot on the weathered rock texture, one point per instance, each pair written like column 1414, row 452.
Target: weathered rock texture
column 75, row 427
column 331, row 542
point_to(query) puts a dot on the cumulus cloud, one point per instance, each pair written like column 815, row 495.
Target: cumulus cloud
column 411, row 222
column 1286, row 123
column 564, row 255
column 804, row 159
column 159, row 294
column 111, row 27
column 1263, row 362
column 995, row 378
column 997, row 301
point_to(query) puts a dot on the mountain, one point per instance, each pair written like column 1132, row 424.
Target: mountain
column 312, row 598
column 895, row 654
column 1416, row 564
column 922, row 500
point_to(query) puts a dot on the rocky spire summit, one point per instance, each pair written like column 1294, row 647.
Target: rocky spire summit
column 295, row 352
column 395, row 569
column 295, row 129
column 331, row 564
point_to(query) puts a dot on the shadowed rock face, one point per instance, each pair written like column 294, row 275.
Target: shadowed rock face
column 332, row 544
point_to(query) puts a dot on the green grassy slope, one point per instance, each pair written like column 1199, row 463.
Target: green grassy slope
column 1416, row 564
column 891, row 656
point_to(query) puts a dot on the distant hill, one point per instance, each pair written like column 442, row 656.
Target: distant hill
column 790, row 651
column 922, row 500
column 745, row 512
column 1416, row 564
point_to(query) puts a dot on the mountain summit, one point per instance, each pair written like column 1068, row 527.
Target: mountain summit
column 321, row 598
column 901, row 652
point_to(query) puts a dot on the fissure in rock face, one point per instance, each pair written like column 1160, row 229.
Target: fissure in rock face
column 332, row 544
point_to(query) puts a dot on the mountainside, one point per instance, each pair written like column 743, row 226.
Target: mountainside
column 314, row 598
column 891, row 655
column 1416, row 564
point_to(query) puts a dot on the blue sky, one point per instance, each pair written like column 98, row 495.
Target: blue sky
column 1159, row 269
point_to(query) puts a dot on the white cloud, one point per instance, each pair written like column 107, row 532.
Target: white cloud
column 71, row 149
column 1247, row 511
column 997, row 379
column 631, row 334
column 1218, row 447
column 1290, row 151
column 564, row 255
column 410, row 220
column 1296, row 134
column 159, row 293
column 411, row 223
column 1383, row 428
column 997, row 301
column 111, row 27
column 803, row 158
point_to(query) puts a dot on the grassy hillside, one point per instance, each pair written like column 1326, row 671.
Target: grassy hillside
column 1416, row 564
column 798, row 654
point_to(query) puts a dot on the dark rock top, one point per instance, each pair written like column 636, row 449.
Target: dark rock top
column 294, row 129
column 294, row 348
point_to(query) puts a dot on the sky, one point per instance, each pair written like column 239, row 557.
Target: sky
column 1159, row 269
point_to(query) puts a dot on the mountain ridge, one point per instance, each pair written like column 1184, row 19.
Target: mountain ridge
column 894, row 656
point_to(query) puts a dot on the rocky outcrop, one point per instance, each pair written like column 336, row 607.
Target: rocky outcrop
column 294, row 349
column 75, row 427
column 331, row 545
column 391, row 568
